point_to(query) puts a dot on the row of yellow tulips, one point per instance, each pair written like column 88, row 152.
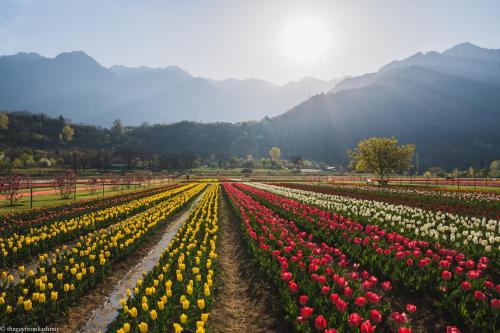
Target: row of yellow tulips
column 63, row 277
column 176, row 294
column 18, row 246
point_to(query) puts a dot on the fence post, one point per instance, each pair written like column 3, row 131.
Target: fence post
column 31, row 196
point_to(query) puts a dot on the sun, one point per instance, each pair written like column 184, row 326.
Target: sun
column 305, row 40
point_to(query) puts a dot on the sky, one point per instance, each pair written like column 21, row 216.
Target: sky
column 263, row 39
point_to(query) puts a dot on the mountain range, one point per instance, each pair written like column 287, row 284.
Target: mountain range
column 446, row 103
column 76, row 86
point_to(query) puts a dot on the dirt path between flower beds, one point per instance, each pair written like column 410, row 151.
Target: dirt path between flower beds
column 97, row 309
column 244, row 301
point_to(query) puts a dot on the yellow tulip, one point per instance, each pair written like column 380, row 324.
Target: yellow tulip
column 143, row 327
column 204, row 317
column 185, row 305
column 201, row 304
column 183, row 318
column 126, row 327
column 41, row 299
column 133, row 312
column 178, row 328
column 53, row 295
column 161, row 306
column 123, row 302
column 66, row 287
column 27, row 305
column 145, row 306
column 153, row 314
column 8, row 309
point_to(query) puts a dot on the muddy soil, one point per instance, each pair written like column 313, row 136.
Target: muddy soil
column 244, row 300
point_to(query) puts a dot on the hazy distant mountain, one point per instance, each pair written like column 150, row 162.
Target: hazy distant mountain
column 76, row 86
column 448, row 104
column 468, row 50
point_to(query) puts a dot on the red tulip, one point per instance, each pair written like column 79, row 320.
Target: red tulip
column 306, row 311
column 325, row 290
column 375, row 316
column 354, row 320
column 473, row 275
column 367, row 327
column 479, row 295
column 465, row 285
column 360, row 301
column 386, row 285
column 399, row 318
column 303, row 299
column 286, row 276
column 411, row 308
column 470, row 264
column 334, row 298
column 488, row 284
column 320, row 322
column 341, row 305
column 495, row 303
column 446, row 275
column 330, row 330
column 293, row 286
column 452, row 329
column 404, row 330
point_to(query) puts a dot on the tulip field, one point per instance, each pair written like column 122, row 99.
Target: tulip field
column 332, row 260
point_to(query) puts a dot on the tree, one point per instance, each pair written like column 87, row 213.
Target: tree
column 9, row 188
column 382, row 156
column 275, row 154
column 93, row 185
column 65, row 183
column 297, row 160
column 66, row 134
column 495, row 168
column 428, row 175
column 4, row 121
column 117, row 129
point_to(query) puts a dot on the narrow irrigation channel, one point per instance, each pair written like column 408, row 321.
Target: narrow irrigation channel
column 99, row 308
column 244, row 300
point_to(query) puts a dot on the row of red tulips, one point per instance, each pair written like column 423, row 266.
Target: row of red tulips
column 460, row 285
column 321, row 289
